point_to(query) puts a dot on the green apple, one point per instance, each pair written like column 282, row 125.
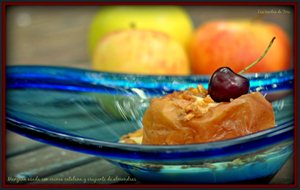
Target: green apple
column 172, row 20
column 141, row 52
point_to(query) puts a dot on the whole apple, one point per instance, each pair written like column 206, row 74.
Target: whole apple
column 172, row 20
column 236, row 44
column 140, row 52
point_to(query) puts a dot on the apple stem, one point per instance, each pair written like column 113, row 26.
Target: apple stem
column 260, row 58
column 132, row 25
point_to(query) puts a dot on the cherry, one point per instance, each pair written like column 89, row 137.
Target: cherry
column 225, row 84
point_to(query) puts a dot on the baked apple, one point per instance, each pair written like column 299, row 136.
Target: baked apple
column 193, row 117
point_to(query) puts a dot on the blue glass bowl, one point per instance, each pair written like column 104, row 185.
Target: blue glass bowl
column 89, row 111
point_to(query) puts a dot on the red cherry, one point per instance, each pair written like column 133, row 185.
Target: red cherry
column 225, row 84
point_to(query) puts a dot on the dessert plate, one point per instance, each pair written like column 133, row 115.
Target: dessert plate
column 89, row 111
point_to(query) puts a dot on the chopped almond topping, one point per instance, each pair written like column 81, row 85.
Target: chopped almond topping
column 208, row 99
column 202, row 90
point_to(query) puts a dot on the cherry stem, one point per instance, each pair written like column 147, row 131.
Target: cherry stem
column 260, row 58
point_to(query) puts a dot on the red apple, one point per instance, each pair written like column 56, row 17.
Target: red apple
column 236, row 44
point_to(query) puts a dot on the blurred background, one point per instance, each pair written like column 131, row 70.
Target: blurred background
column 58, row 35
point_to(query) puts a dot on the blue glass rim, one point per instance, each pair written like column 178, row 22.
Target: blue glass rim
column 74, row 79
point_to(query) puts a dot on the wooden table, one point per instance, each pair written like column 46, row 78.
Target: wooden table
column 58, row 36
column 32, row 162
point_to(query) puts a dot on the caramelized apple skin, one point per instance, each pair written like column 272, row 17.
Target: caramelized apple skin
column 179, row 118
